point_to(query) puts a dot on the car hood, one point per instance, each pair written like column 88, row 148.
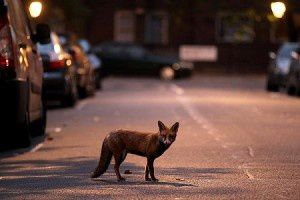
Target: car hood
column 283, row 64
column 162, row 59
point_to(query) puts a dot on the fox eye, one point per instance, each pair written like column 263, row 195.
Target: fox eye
column 172, row 137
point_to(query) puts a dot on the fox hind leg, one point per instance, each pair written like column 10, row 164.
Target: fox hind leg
column 119, row 158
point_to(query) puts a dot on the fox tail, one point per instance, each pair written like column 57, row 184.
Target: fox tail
column 104, row 161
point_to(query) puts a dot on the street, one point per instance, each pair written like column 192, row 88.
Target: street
column 235, row 141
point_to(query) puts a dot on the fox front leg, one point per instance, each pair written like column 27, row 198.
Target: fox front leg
column 150, row 162
column 147, row 173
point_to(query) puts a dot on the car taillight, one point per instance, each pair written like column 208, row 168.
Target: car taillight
column 6, row 50
column 57, row 64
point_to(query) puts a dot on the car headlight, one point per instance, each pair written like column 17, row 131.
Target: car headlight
column 185, row 64
column 176, row 66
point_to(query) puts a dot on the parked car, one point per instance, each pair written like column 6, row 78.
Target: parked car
column 293, row 77
column 59, row 73
column 95, row 61
column 127, row 58
column 21, row 75
column 84, row 72
column 279, row 66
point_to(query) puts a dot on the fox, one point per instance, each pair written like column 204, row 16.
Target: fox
column 119, row 143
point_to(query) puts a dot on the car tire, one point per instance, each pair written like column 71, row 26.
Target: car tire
column 82, row 92
column 290, row 87
column 72, row 97
column 272, row 87
column 23, row 139
column 167, row 73
column 39, row 126
column 98, row 84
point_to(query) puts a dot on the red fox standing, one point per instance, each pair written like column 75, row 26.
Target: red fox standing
column 149, row 145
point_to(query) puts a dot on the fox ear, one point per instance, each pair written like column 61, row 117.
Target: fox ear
column 161, row 126
column 175, row 127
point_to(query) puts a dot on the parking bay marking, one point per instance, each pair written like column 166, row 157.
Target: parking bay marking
column 37, row 147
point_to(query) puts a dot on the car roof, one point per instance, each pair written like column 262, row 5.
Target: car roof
column 119, row 44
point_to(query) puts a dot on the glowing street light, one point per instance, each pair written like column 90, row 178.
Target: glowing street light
column 35, row 9
column 278, row 9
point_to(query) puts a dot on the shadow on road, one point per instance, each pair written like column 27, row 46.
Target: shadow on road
column 40, row 177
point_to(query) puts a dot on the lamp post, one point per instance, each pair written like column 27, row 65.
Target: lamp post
column 35, row 9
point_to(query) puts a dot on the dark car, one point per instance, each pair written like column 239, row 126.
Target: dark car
column 279, row 66
column 22, row 113
column 293, row 77
column 59, row 73
column 126, row 58
column 95, row 61
column 84, row 72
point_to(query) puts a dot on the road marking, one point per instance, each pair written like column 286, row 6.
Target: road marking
column 193, row 113
column 178, row 90
column 37, row 147
column 81, row 105
column 251, row 151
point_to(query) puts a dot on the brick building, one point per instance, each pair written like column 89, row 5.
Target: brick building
column 239, row 33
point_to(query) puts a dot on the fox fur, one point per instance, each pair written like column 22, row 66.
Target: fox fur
column 150, row 145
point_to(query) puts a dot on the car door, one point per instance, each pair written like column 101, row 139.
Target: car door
column 27, row 56
column 137, row 61
column 114, row 59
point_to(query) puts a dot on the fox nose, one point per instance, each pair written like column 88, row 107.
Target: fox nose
column 168, row 142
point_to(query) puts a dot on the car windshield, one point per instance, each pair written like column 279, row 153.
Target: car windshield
column 45, row 48
column 124, row 49
column 53, row 46
column 285, row 50
column 135, row 51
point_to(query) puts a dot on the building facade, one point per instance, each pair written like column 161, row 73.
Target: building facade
column 231, row 35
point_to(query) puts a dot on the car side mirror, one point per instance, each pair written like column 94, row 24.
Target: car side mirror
column 272, row 55
column 295, row 55
column 42, row 34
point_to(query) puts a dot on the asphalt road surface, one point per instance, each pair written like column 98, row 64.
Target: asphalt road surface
column 235, row 141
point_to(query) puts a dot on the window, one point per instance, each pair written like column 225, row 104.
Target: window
column 234, row 27
column 124, row 26
column 157, row 26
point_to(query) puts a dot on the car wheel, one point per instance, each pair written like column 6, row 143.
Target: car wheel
column 291, row 90
column 98, row 85
column 92, row 84
column 167, row 73
column 39, row 127
column 23, row 139
column 272, row 87
column 290, row 87
column 82, row 92
column 72, row 97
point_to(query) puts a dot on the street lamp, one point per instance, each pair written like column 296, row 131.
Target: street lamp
column 278, row 8
column 35, row 9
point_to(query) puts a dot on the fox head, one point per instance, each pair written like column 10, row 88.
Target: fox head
column 167, row 135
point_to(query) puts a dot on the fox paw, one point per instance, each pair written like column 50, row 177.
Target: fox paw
column 154, row 180
column 148, row 179
column 121, row 179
